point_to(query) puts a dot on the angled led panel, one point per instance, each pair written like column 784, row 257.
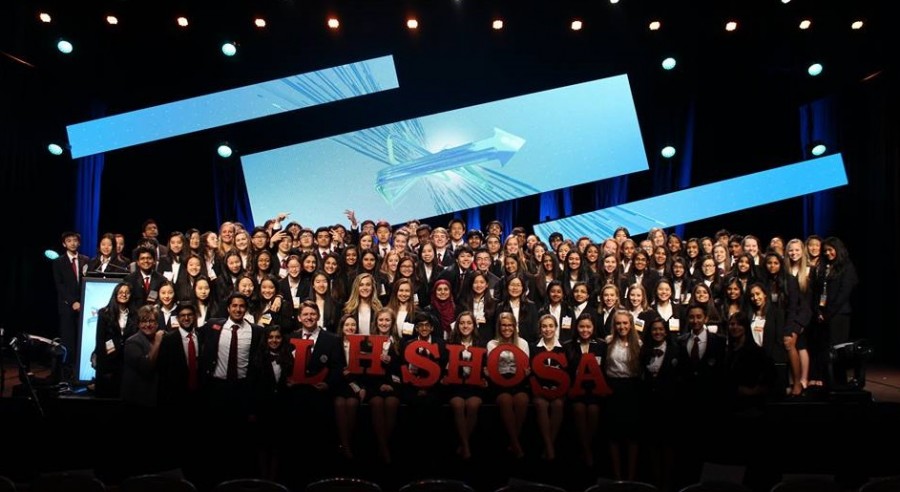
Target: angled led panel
column 232, row 106
column 695, row 204
column 454, row 160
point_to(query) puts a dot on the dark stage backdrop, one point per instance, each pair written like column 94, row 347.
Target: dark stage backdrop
column 174, row 181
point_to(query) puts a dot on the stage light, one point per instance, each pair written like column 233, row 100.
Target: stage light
column 182, row 21
column 64, row 46
column 817, row 149
column 730, row 26
column 613, row 1
column 668, row 152
column 55, row 149
column 333, row 23
column 856, row 25
column 259, row 22
column 576, row 25
column 51, row 254
column 412, row 23
column 814, row 69
column 669, row 63
column 805, row 24
column 785, row 1
column 44, row 17
column 497, row 24
column 224, row 151
column 112, row 20
column 229, row 49
column 655, row 25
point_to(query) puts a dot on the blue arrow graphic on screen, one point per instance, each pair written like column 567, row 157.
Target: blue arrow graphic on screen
column 457, row 170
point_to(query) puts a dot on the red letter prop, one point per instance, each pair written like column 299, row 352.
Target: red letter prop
column 544, row 373
column 302, row 352
column 423, row 362
column 589, row 371
column 373, row 356
column 455, row 352
column 494, row 366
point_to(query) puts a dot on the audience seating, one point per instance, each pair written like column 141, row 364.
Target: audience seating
column 250, row 485
column 343, row 484
column 436, row 485
column 622, row 486
column 156, row 483
column 882, row 484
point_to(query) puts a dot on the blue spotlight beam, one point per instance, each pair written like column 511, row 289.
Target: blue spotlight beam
column 705, row 201
column 456, row 160
column 232, row 106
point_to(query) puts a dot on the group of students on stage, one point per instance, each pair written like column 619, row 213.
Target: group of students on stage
column 249, row 321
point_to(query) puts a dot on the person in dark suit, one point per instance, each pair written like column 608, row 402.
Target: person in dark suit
column 68, row 270
column 314, row 403
column 456, row 275
column 115, row 323
column 228, row 372
column 106, row 261
column 145, row 281
column 179, row 375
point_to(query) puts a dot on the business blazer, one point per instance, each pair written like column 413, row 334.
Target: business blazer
column 704, row 379
column 172, row 365
column 327, row 353
column 110, row 351
column 528, row 319
column 136, row 281
column 209, row 335
column 68, row 287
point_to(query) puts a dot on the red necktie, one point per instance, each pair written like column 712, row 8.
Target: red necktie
column 75, row 267
column 232, row 374
column 192, row 363
column 146, row 285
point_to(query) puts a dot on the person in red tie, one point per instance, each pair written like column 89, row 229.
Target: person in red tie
column 68, row 270
column 145, row 281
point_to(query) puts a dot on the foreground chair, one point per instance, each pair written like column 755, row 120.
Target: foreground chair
column 622, row 486
column 436, row 485
column 67, row 482
column 250, row 485
column 716, row 486
column 530, row 487
column 156, row 483
column 881, row 484
column 343, row 484
column 7, row 485
column 812, row 484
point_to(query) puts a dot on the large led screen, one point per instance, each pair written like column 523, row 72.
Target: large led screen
column 232, row 106
column 454, row 160
column 701, row 202
column 95, row 294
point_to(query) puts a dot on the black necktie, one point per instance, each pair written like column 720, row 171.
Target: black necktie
column 695, row 350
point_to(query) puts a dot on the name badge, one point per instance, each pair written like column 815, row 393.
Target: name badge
column 168, row 275
column 110, row 346
column 407, row 329
column 566, row 323
column 639, row 325
column 674, row 324
column 712, row 329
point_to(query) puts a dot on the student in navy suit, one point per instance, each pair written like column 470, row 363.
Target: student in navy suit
column 68, row 270
column 145, row 281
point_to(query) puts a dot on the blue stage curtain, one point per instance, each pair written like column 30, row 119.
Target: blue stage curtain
column 567, row 201
column 818, row 122
column 610, row 192
column 231, row 199
column 473, row 218
column 549, row 206
column 505, row 213
column 87, row 201
column 687, row 157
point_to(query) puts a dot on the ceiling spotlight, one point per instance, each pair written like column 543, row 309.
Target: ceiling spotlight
column 785, row 1
column 112, row 20
column 576, row 25
column 817, row 149
column 259, row 22
column 229, row 49
column 64, row 46
column 224, row 151
column 55, row 149
column 412, row 23
column 333, row 23
column 613, row 1
column 814, row 69
column 44, row 17
column 182, row 21
column 730, row 26
column 497, row 24
column 668, row 152
column 51, row 254
column 655, row 25
column 856, row 25
column 669, row 63
column 805, row 24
